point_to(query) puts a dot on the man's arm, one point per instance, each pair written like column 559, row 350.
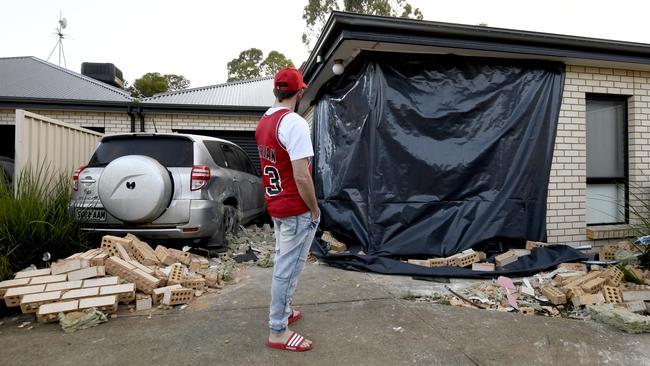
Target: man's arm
column 305, row 185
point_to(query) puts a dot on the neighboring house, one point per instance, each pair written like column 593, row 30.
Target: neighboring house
column 227, row 110
column 606, row 97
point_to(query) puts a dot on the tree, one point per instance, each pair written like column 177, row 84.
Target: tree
column 252, row 64
column 176, row 82
column 153, row 83
column 316, row 12
column 274, row 62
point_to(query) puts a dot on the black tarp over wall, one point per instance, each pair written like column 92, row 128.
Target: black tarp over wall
column 430, row 155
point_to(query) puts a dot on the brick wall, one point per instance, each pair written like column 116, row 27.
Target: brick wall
column 112, row 122
column 169, row 122
column 566, row 215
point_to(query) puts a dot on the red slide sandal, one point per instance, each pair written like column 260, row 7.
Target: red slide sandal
column 294, row 343
column 294, row 317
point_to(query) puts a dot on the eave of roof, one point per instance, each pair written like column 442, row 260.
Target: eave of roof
column 410, row 31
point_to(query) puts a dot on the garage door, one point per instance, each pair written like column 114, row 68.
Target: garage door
column 7, row 140
column 244, row 139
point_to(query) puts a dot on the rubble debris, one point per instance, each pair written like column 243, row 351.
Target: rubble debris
column 78, row 320
column 483, row 266
column 506, row 258
column 121, row 271
column 567, row 291
column 620, row 318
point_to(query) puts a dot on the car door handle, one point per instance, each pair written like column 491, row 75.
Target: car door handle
column 87, row 180
column 235, row 180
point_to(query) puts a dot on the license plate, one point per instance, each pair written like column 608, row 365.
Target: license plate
column 91, row 215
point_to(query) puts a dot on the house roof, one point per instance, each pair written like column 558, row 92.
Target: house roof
column 248, row 93
column 30, row 78
column 345, row 35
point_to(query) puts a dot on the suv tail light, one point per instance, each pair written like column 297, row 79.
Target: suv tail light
column 200, row 177
column 75, row 177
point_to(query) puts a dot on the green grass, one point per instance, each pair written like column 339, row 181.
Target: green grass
column 34, row 219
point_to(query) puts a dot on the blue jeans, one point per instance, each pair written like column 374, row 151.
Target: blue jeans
column 293, row 238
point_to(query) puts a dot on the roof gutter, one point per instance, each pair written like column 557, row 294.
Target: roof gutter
column 129, row 111
column 385, row 28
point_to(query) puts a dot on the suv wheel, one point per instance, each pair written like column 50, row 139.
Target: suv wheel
column 229, row 224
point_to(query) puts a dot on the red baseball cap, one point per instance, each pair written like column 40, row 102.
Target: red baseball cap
column 289, row 79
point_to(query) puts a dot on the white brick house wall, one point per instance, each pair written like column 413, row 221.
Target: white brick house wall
column 566, row 214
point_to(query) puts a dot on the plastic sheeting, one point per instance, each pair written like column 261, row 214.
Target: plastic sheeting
column 422, row 156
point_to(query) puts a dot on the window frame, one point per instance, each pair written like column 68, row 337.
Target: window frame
column 626, row 173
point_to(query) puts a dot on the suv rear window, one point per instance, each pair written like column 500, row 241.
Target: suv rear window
column 168, row 150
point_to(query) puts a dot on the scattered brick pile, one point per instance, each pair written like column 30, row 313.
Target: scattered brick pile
column 477, row 260
column 121, row 271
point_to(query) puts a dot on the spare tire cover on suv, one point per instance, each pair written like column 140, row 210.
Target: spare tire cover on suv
column 135, row 188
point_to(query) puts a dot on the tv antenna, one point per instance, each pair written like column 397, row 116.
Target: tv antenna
column 63, row 23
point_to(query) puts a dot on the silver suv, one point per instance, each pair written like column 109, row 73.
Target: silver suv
column 167, row 186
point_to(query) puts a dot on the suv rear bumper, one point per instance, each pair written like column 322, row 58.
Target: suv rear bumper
column 203, row 223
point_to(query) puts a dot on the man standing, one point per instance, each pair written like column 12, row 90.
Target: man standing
column 285, row 149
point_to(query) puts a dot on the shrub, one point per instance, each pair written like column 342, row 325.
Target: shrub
column 34, row 219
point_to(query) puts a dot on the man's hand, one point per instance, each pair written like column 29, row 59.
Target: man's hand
column 305, row 185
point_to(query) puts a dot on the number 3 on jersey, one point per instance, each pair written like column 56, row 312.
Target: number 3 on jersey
column 275, row 182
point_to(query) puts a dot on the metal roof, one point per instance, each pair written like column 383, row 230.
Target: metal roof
column 32, row 78
column 246, row 93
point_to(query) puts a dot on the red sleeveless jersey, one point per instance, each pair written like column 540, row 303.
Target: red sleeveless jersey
column 280, row 190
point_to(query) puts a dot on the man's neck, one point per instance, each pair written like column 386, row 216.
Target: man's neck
column 290, row 105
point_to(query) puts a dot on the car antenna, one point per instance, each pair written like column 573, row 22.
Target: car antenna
column 155, row 129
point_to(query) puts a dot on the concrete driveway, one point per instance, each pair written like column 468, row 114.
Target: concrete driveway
column 354, row 318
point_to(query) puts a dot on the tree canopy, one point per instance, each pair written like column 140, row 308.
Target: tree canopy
column 316, row 13
column 252, row 64
column 153, row 83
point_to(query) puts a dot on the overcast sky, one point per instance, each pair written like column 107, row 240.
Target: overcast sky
column 198, row 38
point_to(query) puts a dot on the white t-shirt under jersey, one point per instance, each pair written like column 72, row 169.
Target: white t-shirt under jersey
column 294, row 134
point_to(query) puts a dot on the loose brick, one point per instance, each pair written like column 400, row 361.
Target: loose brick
column 106, row 304
column 63, row 286
column 80, row 293
column 530, row 245
column 15, row 294
column 109, row 244
column 142, row 252
column 125, row 292
column 437, row 262
column 612, row 294
column 19, row 282
column 160, row 292
column 48, row 279
column 467, row 259
column 145, row 269
column 50, row 312
column 419, row 262
column 483, row 266
column 30, row 303
column 183, row 257
column 505, row 258
column 627, row 295
column 122, row 252
column 588, row 299
column 175, row 274
column 85, row 273
column 197, row 284
column 34, row 273
column 102, row 281
column 65, row 266
column 164, row 256
column 99, row 259
column 178, row 296
column 555, row 296
column 593, row 286
column 578, row 267
column 143, row 303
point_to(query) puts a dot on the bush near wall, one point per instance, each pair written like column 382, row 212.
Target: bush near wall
column 34, row 219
